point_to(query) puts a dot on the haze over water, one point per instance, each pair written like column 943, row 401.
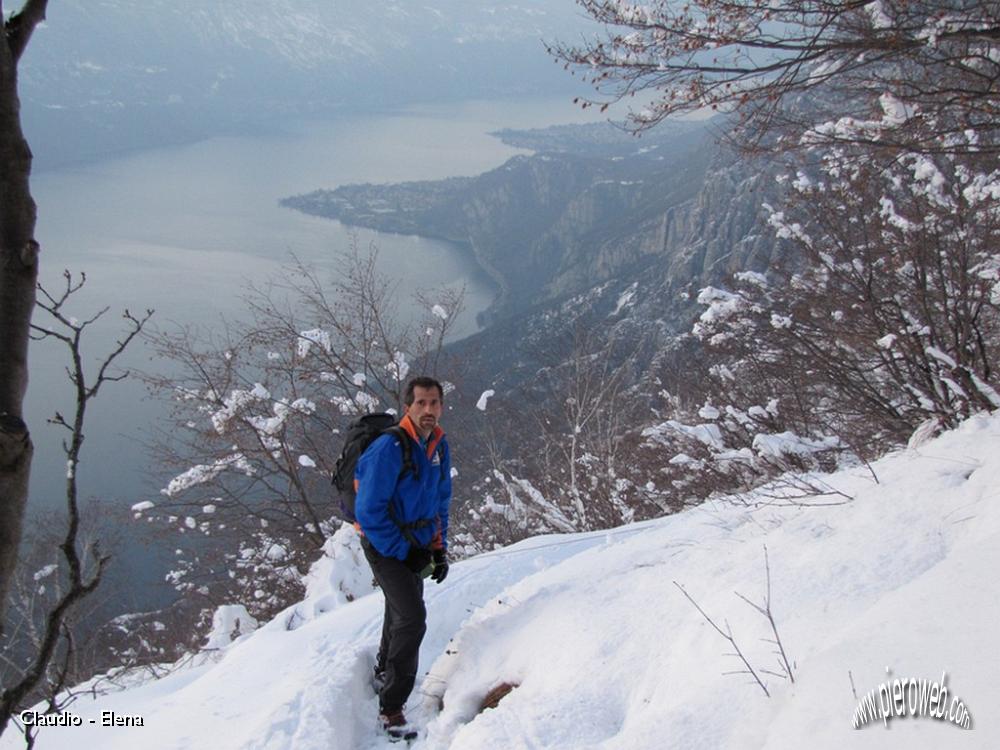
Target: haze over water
column 183, row 229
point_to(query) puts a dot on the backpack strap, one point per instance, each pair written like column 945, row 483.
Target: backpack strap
column 407, row 447
column 409, row 466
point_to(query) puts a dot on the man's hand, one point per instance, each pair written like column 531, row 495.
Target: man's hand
column 417, row 559
column 440, row 566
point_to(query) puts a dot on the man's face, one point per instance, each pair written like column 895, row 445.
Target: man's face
column 425, row 411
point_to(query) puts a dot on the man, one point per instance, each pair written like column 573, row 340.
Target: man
column 402, row 512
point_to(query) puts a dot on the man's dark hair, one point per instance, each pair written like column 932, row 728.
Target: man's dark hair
column 421, row 382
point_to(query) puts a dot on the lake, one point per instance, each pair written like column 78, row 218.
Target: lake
column 184, row 229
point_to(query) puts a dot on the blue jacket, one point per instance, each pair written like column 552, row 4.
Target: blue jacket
column 424, row 495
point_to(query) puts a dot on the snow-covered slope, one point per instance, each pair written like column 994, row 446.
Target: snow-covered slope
column 608, row 652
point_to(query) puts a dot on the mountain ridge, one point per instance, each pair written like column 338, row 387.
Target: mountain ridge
column 119, row 75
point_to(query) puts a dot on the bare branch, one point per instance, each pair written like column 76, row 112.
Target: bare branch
column 755, row 59
column 80, row 584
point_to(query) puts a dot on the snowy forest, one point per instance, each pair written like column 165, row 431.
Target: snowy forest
column 731, row 467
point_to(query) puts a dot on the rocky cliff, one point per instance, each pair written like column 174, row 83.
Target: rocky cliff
column 599, row 243
column 593, row 206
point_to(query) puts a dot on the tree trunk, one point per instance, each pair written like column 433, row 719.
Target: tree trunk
column 18, row 277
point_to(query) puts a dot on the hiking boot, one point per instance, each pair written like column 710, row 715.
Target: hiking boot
column 394, row 724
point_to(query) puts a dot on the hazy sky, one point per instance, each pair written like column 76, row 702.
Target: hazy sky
column 119, row 74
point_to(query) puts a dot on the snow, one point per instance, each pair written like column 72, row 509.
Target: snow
column 276, row 552
column 267, row 427
column 204, row 472
column 238, row 400
column 399, row 368
column 894, row 111
column 780, row 321
column 45, row 572
column 143, row 506
column 709, row 434
column 926, row 171
column 880, row 20
column 783, row 229
column 606, row 650
column 721, row 306
column 314, row 336
column 940, row 356
column 708, row 412
column 982, row 188
column 788, row 443
column 340, row 576
column 886, row 341
column 440, row 312
column 362, row 403
column 888, row 213
column 626, row 299
column 986, row 390
column 483, row 398
column 228, row 621
column 751, row 277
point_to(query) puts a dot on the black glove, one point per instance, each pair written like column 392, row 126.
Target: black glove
column 440, row 566
column 417, row 559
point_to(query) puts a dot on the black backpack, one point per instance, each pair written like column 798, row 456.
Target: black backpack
column 360, row 434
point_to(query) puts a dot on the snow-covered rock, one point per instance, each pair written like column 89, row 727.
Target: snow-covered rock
column 229, row 623
column 340, row 576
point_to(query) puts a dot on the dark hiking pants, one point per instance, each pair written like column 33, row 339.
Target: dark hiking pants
column 403, row 627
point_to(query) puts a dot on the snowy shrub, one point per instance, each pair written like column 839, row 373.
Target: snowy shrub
column 893, row 319
column 882, row 321
column 340, row 576
column 229, row 623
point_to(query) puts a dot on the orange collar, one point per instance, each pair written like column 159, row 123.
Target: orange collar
column 407, row 424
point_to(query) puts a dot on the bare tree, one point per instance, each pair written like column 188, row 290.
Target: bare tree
column 576, row 467
column 755, row 57
column 18, row 276
column 257, row 415
column 584, row 426
column 82, row 568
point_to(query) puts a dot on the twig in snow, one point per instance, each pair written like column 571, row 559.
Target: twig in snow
column 765, row 610
column 728, row 635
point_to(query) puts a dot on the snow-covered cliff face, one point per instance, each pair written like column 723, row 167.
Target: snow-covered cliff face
column 119, row 73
